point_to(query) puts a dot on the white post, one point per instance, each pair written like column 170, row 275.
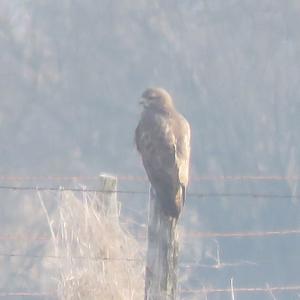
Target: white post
column 108, row 196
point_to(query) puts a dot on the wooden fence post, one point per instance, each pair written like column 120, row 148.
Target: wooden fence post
column 162, row 254
column 107, row 196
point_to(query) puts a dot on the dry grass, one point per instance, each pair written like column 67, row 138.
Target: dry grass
column 100, row 260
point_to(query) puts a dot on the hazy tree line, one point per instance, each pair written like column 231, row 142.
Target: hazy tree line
column 72, row 73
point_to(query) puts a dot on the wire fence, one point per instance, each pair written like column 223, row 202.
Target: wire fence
column 143, row 178
column 267, row 289
column 187, row 234
column 205, row 291
column 70, row 257
column 141, row 192
column 26, row 294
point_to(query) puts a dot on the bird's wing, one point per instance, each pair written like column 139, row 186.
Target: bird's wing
column 183, row 150
column 156, row 142
column 164, row 148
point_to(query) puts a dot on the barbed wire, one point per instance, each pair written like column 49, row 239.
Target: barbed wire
column 243, row 234
column 144, row 178
column 268, row 289
column 186, row 234
column 243, row 290
column 199, row 234
column 46, row 177
column 24, row 238
column 26, row 294
column 71, row 257
column 246, row 178
column 66, row 189
column 242, row 195
column 190, row 194
column 182, row 264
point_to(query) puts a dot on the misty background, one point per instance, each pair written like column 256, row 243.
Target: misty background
column 71, row 75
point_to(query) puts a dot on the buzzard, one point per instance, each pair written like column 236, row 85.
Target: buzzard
column 162, row 138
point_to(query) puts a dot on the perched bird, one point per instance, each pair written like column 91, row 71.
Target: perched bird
column 162, row 138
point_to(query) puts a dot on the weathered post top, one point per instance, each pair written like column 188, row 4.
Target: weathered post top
column 162, row 254
column 107, row 195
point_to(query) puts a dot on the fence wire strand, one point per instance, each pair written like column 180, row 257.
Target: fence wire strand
column 205, row 291
column 198, row 234
column 26, row 294
column 15, row 255
column 140, row 192
column 243, row 290
column 186, row 234
column 244, row 234
column 144, row 178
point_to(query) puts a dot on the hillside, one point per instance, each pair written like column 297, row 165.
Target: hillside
column 72, row 73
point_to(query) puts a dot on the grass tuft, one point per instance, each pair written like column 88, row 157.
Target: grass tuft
column 99, row 258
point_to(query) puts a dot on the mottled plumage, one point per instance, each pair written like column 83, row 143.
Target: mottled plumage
column 163, row 139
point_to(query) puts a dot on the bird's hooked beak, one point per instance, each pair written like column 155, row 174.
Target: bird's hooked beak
column 143, row 102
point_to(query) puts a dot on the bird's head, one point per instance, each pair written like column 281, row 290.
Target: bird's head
column 157, row 99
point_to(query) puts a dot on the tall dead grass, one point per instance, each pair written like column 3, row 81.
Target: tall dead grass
column 99, row 258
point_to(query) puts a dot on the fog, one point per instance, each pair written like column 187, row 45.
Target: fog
column 71, row 76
